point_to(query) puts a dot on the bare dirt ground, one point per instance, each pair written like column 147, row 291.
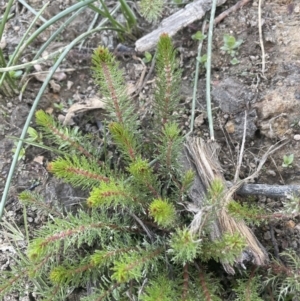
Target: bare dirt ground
column 271, row 99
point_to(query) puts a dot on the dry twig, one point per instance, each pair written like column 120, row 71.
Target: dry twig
column 230, row 10
column 261, row 42
column 238, row 167
column 205, row 159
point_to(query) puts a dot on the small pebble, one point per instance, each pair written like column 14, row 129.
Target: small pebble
column 229, row 127
column 61, row 118
column 294, row 245
column 2, row 43
column 69, row 84
column 271, row 172
column 297, row 137
column 252, row 165
column 267, row 235
column 199, row 120
column 290, row 224
column 297, row 227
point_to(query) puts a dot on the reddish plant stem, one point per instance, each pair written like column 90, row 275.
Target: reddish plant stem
column 82, row 172
column 112, row 91
column 248, row 287
column 106, row 293
column 73, row 143
column 145, row 258
column 70, row 232
column 185, row 288
column 167, row 97
column 204, row 286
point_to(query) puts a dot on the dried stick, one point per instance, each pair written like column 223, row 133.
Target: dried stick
column 196, row 83
column 273, row 191
column 230, row 10
column 237, row 171
column 192, row 12
column 205, row 159
column 208, row 71
column 261, row 42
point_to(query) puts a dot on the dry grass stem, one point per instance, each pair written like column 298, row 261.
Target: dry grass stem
column 261, row 42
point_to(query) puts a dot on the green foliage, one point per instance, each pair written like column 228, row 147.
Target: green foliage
column 151, row 10
column 228, row 248
column 250, row 214
column 133, row 265
column 111, row 80
column 234, row 61
column 22, row 152
column 70, row 140
column 132, row 236
column 163, row 212
column 230, row 44
column 210, row 288
column 285, row 278
column 33, row 136
column 215, row 191
column 199, row 36
column 160, row 288
column 184, row 247
column 79, row 171
column 203, row 59
column 291, row 206
column 288, row 160
column 248, row 289
column 111, row 194
column 148, row 57
column 168, row 83
column 29, row 198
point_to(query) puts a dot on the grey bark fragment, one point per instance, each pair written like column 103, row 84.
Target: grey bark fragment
column 171, row 25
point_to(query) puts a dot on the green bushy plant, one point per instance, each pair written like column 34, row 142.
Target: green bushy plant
column 131, row 239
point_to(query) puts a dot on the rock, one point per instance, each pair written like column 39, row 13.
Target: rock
column 297, row 137
column 294, row 244
column 235, row 126
column 290, row 224
column 199, row 120
column 231, row 96
column 271, row 172
column 297, row 227
column 229, row 127
column 19, row 115
column 267, row 235
column 3, row 43
column 275, row 128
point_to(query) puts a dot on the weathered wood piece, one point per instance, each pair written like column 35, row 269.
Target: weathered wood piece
column 171, row 25
column 269, row 190
column 203, row 159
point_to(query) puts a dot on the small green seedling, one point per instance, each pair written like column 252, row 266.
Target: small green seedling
column 147, row 57
column 230, row 44
column 22, row 152
column 202, row 59
column 234, row 61
column 15, row 74
column 199, row 36
column 34, row 136
column 288, row 160
column 58, row 106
